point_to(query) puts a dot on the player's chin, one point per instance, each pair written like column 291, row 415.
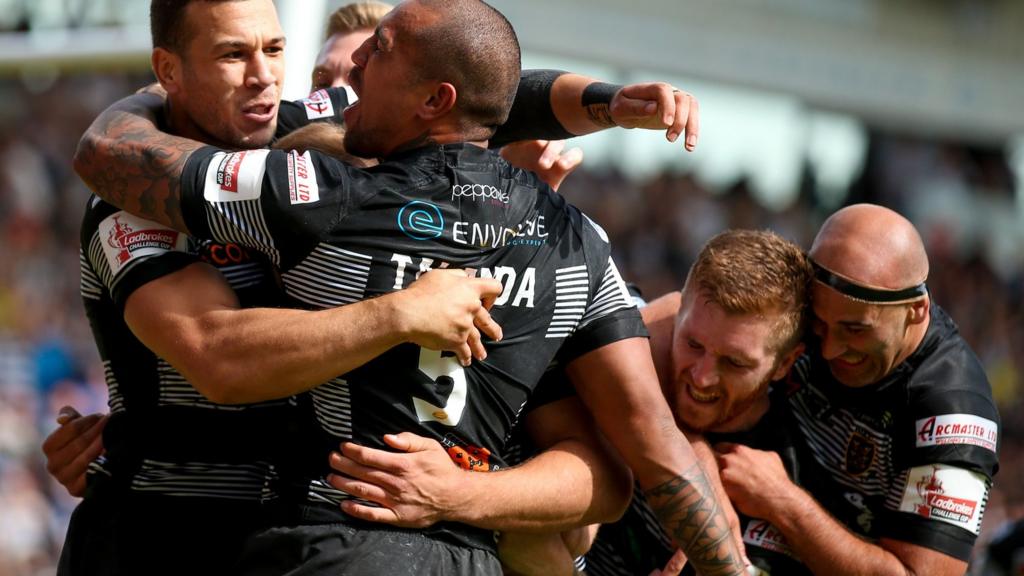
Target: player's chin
column 260, row 138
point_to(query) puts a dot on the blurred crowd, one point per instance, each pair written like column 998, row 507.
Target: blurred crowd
column 960, row 198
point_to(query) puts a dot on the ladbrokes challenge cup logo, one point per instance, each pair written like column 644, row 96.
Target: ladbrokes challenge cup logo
column 421, row 220
column 129, row 237
column 946, row 493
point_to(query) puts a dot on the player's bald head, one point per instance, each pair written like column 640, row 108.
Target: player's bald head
column 871, row 245
column 474, row 47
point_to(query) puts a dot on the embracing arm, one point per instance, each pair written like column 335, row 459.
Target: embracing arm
column 821, row 542
column 574, row 481
column 126, row 160
column 619, row 386
column 191, row 319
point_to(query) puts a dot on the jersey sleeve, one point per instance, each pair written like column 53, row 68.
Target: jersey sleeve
column 611, row 314
column 324, row 105
column 279, row 203
column 125, row 252
column 946, row 476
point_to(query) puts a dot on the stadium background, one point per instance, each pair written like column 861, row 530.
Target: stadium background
column 805, row 105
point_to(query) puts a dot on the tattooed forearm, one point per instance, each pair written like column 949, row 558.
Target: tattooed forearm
column 128, row 162
column 687, row 508
column 600, row 115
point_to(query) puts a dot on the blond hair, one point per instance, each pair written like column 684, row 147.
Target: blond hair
column 756, row 272
column 356, row 16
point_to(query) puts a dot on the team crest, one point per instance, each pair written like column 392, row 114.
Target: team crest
column 860, row 453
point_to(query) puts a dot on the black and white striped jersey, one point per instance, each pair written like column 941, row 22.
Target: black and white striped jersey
column 341, row 234
column 912, row 457
column 164, row 437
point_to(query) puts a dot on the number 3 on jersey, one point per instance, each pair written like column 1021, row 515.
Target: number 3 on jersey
column 434, row 365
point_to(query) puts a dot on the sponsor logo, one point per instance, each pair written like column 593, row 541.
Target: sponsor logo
column 421, row 221
column 227, row 174
column 318, row 105
column 957, row 429
column 527, row 233
column 224, row 254
column 936, row 503
column 235, row 176
column 480, row 192
column 860, row 453
column 302, row 186
column 128, row 237
column 472, row 458
column 126, row 240
column 762, row 534
column 952, row 495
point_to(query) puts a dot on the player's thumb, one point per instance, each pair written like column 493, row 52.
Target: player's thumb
column 633, row 108
column 406, row 442
column 67, row 414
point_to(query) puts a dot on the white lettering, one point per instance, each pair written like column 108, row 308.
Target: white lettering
column 479, row 192
column 526, row 289
column 402, row 260
column 424, row 267
column 459, row 232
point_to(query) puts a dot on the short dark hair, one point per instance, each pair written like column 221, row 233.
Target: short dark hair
column 474, row 47
column 167, row 23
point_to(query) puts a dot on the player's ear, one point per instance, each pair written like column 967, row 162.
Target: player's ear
column 787, row 362
column 167, row 68
column 439, row 102
column 918, row 311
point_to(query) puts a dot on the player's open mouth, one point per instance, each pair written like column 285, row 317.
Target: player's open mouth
column 849, row 362
column 259, row 112
column 703, row 397
column 349, row 112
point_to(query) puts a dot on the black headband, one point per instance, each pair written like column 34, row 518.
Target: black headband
column 864, row 293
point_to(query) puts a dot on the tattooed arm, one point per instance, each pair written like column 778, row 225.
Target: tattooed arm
column 126, row 160
column 618, row 384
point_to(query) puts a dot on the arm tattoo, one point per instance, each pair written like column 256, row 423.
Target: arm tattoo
column 600, row 115
column 596, row 100
column 687, row 508
column 128, row 162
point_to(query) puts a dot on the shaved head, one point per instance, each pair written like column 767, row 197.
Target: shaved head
column 873, row 246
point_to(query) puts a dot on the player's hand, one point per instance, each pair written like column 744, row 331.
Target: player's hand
column 546, row 158
column 71, row 447
column 658, row 106
column 755, row 480
column 448, row 310
column 674, row 565
column 416, row 487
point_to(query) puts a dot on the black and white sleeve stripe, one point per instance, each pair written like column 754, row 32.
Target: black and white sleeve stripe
column 611, row 295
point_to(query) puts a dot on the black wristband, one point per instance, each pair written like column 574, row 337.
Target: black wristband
column 599, row 93
column 531, row 116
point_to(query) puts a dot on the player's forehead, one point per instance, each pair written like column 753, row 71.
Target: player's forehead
column 740, row 336
column 238, row 22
